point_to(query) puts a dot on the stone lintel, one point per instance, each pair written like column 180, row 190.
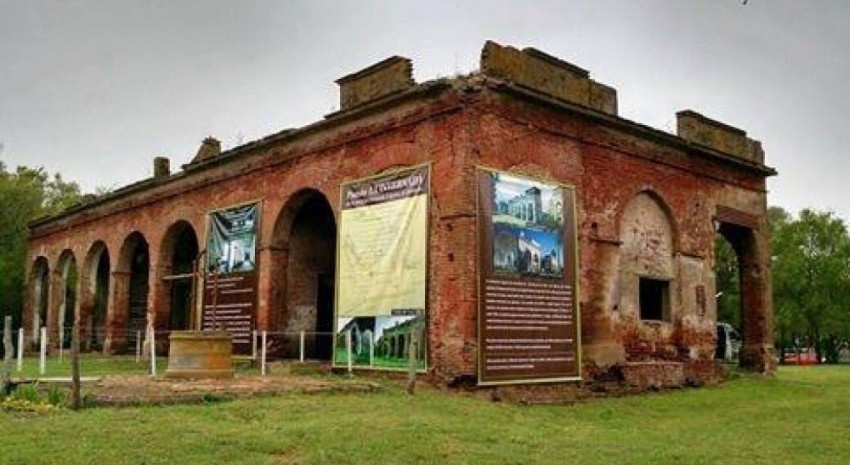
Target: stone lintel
column 704, row 131
column 381, row 79
column 544, row 73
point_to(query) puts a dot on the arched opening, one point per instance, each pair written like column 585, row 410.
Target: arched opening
column 95, row 298
column 68, row 276
column 728, row 298
column 129, row 318
column 647, row 268
column 178, row 255
column 755, row 330
column 304, row 252
column 101, row 301
column 401, row 348
column 40, row 291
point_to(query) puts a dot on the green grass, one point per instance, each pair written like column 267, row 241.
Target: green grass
column 92, row 365
column 800, row 417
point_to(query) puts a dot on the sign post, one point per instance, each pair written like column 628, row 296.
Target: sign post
column 528, row 289
column 230, row 296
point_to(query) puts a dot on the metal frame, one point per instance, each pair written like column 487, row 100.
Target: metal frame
column 577, row 283
column 426, row 314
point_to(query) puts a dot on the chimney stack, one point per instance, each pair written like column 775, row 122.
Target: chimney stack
column 161, row 167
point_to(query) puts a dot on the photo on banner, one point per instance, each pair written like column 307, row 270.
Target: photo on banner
column 231, row 241
column 382, row 271
column 528, row 302
column 230, row 289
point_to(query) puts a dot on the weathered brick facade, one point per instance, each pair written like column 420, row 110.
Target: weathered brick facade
column 649, row 204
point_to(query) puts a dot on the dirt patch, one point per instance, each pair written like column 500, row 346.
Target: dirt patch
column 146, row 390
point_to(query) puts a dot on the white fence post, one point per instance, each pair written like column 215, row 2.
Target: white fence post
column 61, row 341
column 263, row 354
column 348, row 351
column 301, row 347
column 20, row 349
column 254, row 345
column 371, row 349
column 153, row 352
column 138, row 346
column 42, row 362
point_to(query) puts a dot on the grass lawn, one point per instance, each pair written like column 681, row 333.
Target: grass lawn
column 800, row 417
column 93, row 365
column 90, row 365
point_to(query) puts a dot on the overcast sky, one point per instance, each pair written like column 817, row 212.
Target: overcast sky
column 96, row 89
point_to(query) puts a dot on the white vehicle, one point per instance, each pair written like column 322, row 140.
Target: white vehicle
column 728, row 343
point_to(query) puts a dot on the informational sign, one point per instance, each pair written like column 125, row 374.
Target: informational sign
column 528, row 303
column 382, row 270
column 230, row 290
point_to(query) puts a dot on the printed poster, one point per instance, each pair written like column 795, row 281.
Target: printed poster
column 230, row 289
column 528, row 306
column 382, row 271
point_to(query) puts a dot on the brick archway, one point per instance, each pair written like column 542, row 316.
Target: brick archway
column 754, row 282
column 129, row 310
column 39, row 297
column 175, row 281
column 64, row 299
column 303, row 251
column 94, row 296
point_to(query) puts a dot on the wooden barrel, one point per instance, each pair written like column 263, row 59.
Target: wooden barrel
column 200, row 354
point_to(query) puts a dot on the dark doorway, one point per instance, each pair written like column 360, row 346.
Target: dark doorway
column 41, row 291
column 138, row 295
column 101, row 299
column 310, row 276
column 181, row 284
column 69, row 302
column 324, row 316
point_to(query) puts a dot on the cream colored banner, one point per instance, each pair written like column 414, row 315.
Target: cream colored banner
column 382, row 263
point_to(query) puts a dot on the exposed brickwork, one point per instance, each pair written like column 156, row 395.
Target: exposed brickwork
column 642, row 195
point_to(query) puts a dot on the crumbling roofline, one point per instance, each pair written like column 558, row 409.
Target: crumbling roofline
column 632, row 127
column 465, row 84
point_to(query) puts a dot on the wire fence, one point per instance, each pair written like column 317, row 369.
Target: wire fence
column 46, row 352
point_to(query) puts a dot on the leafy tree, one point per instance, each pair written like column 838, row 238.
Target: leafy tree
column 787, row 321
column 25, row 194
column 727, row 282
column 811, row 273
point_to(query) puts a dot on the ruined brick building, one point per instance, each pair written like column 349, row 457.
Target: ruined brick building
column 648, row 205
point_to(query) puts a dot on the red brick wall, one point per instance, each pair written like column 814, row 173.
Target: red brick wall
column 454, row 131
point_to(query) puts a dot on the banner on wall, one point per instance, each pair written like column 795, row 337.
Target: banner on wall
column 230, row 290
column 382, row 270
column 528, row 303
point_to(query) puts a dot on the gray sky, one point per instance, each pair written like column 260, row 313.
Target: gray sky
column 96, row 89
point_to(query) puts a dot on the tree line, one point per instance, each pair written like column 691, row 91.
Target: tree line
column 810, row 263
column 25, row 194
column 810, row 267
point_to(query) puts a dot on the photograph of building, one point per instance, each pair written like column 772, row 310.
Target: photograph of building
column 528, row 237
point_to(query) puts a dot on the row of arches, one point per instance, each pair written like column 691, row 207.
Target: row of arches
column 111, row 290
column 119, row 292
